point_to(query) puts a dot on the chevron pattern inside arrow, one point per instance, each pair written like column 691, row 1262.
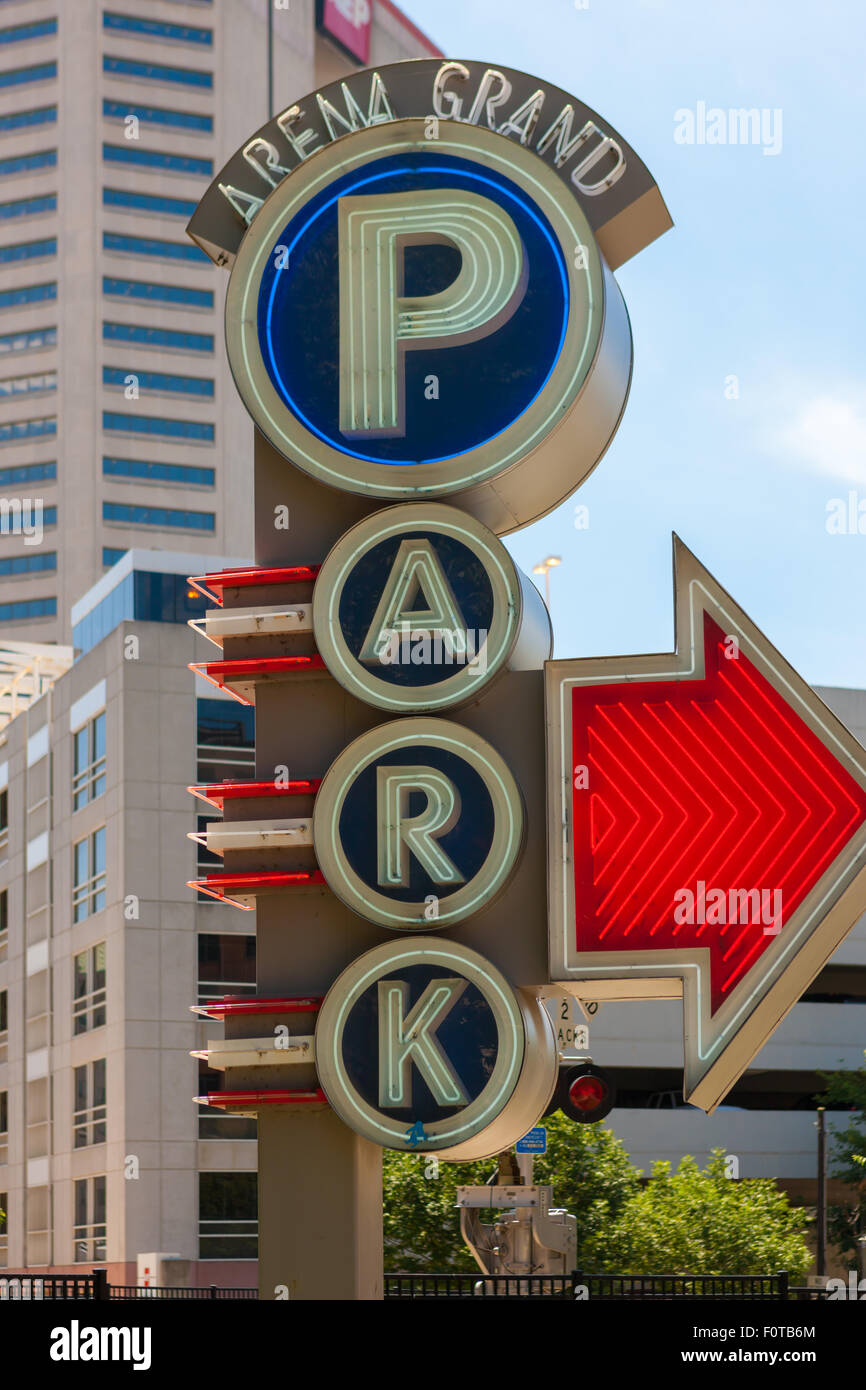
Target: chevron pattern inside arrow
column 697, row 793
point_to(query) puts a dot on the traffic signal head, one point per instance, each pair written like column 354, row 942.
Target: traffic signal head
column 585, row 1093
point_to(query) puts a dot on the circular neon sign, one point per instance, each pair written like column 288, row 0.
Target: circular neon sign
column 412, row 318
column 423, row 1046
column 418, row 607
column 418, row 824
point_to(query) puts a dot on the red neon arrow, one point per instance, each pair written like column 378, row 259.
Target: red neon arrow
column 707, row 830
column 705, row 800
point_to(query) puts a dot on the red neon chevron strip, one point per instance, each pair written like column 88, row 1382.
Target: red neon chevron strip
column 716, row 782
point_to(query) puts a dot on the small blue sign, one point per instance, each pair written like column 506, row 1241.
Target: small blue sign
column 535, row 1142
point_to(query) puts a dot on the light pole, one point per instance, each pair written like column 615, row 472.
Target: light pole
column 821, row 1204
column 544, row 567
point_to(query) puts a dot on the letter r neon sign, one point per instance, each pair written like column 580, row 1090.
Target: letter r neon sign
column 379, row 323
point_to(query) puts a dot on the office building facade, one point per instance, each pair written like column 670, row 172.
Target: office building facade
column 119, row 425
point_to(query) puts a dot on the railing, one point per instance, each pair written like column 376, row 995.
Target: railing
column 162, row 1292
column 39, row 1288
column 48, row 1287
column 497, row 1286
column 768, row 1288
column 578, row 1286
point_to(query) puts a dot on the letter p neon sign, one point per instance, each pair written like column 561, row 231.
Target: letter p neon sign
column 379, row 323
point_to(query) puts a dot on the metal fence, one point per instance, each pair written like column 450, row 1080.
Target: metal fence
column 767, row 1288
column 497, row 1286
column 39, row 1288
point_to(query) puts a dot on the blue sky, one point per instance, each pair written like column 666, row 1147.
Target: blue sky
column 760, row 278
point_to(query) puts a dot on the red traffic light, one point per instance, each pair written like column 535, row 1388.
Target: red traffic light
column 585, row 1094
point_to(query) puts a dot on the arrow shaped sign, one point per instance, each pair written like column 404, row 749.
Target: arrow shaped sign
column 707, row 818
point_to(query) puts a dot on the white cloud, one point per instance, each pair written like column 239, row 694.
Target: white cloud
column 827, row 435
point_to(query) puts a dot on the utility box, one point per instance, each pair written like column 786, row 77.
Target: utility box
column 162, row 1271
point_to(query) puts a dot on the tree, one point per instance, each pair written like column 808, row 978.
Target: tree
column 692, row 1221
column 592, row 1177
column 587, row 1165
column 847, row 1220
column 698, row 1221
column 421, row 1220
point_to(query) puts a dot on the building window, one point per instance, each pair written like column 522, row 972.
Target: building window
column 11, row 565
column 28, row 429
column 88, row 772
column 25, row 163
column 4, row 1012
column 28, row 207
column 36, row 29
column 28, row 473
column 157, row 29
column 154, row 425
column 28, row 608
column 28, row 250
column 211, row 1123
column 164, row 383
column 164, row 517
column 19, row 77
column 89, row 1116
column 4, row 916
column 181, row 295
column 157, row 159
column 226, row 740
column 28, row 294
column 228, row 1216
column 89, row 1233
column 155, row 72
column 88, row 887
column 226, row 965
column 88, row 1003
column 146, row 595
column 182, row 473
column 151, row 246
column 21, row 120
column 11, row 386
column 176, row 339
column 4, row 1229
column 156, row 203
column 4, row 1132
column 110, row 556
column 28, row 340
column 4, row 817
column 155, row 115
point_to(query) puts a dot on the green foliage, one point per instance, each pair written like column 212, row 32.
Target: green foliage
column 692, row 1221
column 698, row 1221
column 847, row 1220
column 587, row 1165
column 422, row 1223
column 592, row 1177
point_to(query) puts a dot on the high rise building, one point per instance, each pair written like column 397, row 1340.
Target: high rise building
column 120, row 428
column 119, row 423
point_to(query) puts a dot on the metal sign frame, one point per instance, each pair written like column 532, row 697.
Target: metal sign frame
column 719, row 1046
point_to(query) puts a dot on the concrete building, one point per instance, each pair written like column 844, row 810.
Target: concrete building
column 104, row 949
column 119, row 424
column 120, row 427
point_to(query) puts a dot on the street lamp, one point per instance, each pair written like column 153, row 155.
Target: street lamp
column 544, row 567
